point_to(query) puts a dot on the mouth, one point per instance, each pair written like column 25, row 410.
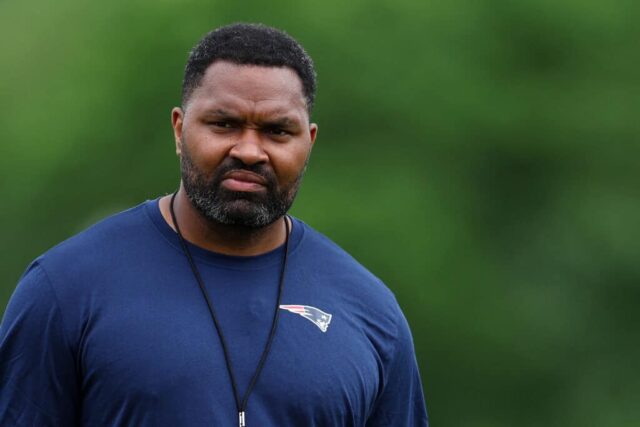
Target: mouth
column 243, row 181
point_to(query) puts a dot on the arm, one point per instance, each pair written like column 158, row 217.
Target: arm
column 38, row 379
column 401, row 401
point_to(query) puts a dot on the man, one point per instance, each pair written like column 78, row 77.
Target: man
column 212, row 307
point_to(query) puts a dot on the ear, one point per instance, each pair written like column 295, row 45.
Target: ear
column 177, row 118
column 313, row 132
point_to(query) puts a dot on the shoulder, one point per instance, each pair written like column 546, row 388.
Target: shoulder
column 320, row 250
column 85, row 267
column 346, row 276
column 101, row 236
column 98, row 248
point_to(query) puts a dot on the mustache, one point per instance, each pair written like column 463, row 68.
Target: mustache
column 233, row 164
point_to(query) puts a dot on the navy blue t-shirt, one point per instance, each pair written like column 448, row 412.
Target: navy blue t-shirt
column 109, row 328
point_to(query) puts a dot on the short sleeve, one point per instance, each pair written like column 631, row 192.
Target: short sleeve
column 401, row 400
column 37, row 368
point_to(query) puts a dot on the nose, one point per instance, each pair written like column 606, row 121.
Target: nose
column 248, row 148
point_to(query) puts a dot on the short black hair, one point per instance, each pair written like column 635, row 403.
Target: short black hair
column 249, row 44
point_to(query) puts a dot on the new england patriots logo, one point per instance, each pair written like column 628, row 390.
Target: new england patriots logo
column 317, row 316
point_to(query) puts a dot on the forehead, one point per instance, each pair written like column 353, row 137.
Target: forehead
column 250, row 89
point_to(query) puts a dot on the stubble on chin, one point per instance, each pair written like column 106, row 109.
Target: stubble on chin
column 221, row 206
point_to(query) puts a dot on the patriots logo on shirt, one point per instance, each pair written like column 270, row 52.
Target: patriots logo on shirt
column 315, row 315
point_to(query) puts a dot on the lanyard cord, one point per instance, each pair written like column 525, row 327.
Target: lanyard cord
column 241, row 404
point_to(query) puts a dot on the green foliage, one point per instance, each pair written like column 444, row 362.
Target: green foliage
column 480, row 157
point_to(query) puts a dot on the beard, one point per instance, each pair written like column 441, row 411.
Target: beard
column 238, row 208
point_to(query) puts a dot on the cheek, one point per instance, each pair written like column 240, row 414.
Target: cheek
column 288, row 163
column 204, row 149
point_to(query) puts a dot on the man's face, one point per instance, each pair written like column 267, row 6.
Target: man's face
column 244, row 140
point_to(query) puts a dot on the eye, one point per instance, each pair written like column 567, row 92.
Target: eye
column 221, row 124
column 276, row 131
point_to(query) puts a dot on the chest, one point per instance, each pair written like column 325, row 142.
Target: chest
column 160, row 350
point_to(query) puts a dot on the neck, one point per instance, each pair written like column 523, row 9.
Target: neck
column 221, row 238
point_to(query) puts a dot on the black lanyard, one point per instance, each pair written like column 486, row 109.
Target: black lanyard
column 241, row 404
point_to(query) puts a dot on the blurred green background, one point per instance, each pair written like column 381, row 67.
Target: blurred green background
column 481, row 157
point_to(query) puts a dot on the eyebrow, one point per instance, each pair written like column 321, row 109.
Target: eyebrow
column 283, row 121
column 222, row 113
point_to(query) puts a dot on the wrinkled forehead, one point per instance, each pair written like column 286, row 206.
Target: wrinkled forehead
column 231, row 87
